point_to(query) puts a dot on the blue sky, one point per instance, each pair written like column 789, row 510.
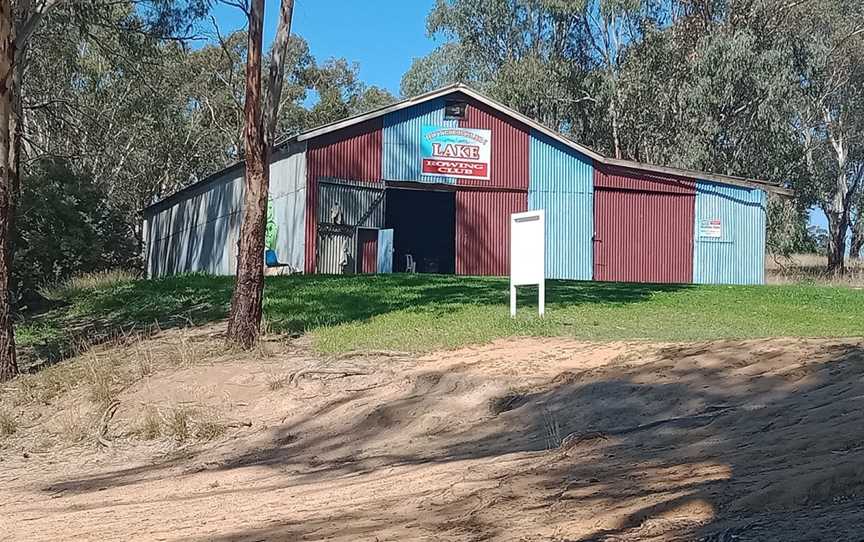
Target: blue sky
column 382, row 36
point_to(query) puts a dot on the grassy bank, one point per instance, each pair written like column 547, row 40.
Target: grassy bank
column 422, row 312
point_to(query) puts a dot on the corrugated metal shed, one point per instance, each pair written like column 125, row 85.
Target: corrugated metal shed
column 401, row 137
column 353, row 154
column 562, row 184
column 509, row 167
column 643, row 236
column 482, row 230
column 731, row 250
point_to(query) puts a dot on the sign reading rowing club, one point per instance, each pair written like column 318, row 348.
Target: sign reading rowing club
column 455, row 152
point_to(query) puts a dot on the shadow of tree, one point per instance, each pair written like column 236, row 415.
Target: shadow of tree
column 714, row 441
column 292, row 304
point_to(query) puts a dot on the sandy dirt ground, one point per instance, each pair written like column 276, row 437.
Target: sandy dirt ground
column 520, row 440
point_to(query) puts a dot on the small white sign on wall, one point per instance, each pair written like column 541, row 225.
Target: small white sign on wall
column 527, row 255
column 711, row 228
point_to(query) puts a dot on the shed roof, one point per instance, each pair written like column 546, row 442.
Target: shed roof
column 468, row 91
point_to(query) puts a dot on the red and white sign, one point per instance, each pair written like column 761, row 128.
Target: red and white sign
column 455, row 152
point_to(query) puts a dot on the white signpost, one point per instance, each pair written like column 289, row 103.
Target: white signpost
column 527, row 255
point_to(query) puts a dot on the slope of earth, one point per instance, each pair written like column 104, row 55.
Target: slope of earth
column 522, row 440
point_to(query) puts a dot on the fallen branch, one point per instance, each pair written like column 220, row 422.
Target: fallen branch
column 103, row 425
column 294, row 379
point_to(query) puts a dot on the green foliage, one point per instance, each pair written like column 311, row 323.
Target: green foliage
column 66, row 226
column 417, row 312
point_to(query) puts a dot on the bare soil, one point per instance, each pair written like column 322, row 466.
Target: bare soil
column 522, row 440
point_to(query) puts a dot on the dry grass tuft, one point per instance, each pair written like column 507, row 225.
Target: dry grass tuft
column 103, row 378
column 182, row 423
column 811, row 269
column 71, row 287
column 277, row 381
column 151, row 425
column 8, row 422
column 73, row 425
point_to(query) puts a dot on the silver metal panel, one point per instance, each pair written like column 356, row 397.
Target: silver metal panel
column 198, row 233
column 336, row 253
column 353, row 201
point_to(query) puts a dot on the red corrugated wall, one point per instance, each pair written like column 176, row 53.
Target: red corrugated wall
column 643, row 227
column 353, row 153
column 483, row 230
column 509, row 167
column 368, row 249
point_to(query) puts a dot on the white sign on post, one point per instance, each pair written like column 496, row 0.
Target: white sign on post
column 527, row 255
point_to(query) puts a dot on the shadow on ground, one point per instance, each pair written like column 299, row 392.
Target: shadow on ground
column 714, row 441
column 292, row 304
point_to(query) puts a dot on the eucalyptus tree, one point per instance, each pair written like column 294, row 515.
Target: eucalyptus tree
column 19, row 21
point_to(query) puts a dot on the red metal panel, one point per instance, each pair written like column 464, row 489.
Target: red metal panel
column 643, row 236
column 353, row 153
column 646, row 181
column 482, row 230
column 509, row 167
column 368, row 249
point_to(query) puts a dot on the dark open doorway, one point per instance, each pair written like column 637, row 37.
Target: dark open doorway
column 424, row 227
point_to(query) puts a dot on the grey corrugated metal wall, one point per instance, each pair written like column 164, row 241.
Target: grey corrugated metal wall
column 196, row 230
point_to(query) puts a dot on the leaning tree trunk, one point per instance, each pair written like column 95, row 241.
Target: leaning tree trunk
column 244, row 321
column 8, row 362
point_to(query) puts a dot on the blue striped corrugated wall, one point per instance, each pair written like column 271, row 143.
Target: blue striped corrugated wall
column 562, row 183
column 737, row 256
column 401, row 141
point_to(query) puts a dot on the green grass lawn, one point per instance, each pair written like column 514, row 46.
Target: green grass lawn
column 422, row 312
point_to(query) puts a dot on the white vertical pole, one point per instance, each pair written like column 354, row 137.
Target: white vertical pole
column 512, row 300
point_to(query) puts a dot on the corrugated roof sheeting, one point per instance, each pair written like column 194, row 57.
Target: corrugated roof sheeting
column 509, row 167
column 353, row 154
column 633, row 179
column 562, row 183
column 483, row 230
column 737, row 255
column 368, row 250
column 401, row 137
column 643, row 236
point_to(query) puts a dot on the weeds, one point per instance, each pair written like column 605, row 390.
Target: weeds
column 102, row 376
column 72, row 425
column 182, row 423
column 276, row 381
column 75, row 286
column 8, row 423
column 151, row 424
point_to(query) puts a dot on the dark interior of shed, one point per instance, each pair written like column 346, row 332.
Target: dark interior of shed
column 424, row 227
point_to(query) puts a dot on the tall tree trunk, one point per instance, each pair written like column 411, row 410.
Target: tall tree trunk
column 838, row 223
column 8, row 361
column 244, row 321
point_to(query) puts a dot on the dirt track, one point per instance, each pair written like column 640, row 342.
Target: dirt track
column 755, row 440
